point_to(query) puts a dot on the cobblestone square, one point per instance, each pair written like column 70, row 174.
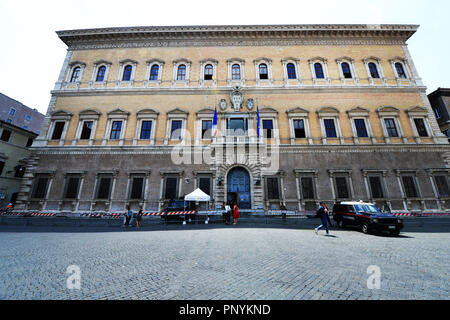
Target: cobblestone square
column 247, row 261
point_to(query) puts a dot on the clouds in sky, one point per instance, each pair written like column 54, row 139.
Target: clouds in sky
column 31, row 54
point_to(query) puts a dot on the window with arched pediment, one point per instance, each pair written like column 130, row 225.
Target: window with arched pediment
column 208, row 72
column 236, row 72
column 127, row 73
column 101, row 74
column 400, row 70
column 181, row 72
column 75, row 74
column 319, row 70
column 373, row 70
column 154, row 71
column 263, row 73
column 290, row 68
column 346, row 70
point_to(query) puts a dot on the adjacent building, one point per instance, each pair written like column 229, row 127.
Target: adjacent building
column 14, row 152
column 18, row 114
column 440, row 102
column 303, row 113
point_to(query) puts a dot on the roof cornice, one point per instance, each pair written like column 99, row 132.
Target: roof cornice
column 224, row 34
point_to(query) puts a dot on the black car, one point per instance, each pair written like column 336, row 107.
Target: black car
column 177, row 206
column 366, row 216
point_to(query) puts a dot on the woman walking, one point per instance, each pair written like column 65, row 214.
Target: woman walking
column 128, row 216
column 235, row 213
column 139, row 218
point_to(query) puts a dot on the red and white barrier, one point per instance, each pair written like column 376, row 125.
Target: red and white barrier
column 41, row 214
column 177, row 213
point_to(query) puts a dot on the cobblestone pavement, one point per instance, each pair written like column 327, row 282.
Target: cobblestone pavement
column 223, row 262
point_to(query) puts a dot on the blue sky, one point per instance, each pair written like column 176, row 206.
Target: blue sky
column 31, row 54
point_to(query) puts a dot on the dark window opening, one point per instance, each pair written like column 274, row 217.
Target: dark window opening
column 86, row 131
column 205, row 185
column 361, row 130
column 373, row 70
column 442, row 185
column 58, row 130
column 410, row 187
column 268, row 128
column 2, row 165
column 127, row 73
column 72, row 188
column 319, row 71
column 330, row 128
column 420, row 125
column 29, row 142
column 6, row 134
column 176, row 130
column 40, row 188
column 181, row 74
column 290, row 68
column 19, row 171
column 341, row 187
column 208, row 72
column 307, row 188
column 236, row 72
column 400, row 71
column 272, row 189
column 101, row 74
column 146, row 129
column 237, row 126
column 170, row 192
column 376, row 188
column 104, row 189
column 346, row 70
column 154, row 72
column 263, row 74
column 75, row 74
column 115, row 130
column 206, row 129
column 391, row 128
column 299, row 128
column 137, row 187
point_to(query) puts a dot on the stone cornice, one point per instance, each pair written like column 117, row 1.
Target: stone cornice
column 220, row 35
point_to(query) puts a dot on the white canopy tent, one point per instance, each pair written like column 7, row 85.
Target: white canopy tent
column 197, row 195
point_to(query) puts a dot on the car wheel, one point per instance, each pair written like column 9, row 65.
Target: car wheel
column 340, row 224
column 365, row 228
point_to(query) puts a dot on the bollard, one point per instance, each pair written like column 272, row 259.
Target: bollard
column 206, row 220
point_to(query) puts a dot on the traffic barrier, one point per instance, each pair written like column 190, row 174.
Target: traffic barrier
column 178, row 213
column 40, row 214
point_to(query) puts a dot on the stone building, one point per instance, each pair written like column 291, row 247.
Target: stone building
column 340, row 110
column 18, row 114
column 440, row 102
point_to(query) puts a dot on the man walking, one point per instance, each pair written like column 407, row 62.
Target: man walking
column 322, row 212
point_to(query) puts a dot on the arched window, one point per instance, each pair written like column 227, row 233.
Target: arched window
column 181, row 74
column 154, row 72
column 75, row 74
column 263, row 71
column 236, row 72
column 319, row 70
column 346, row 70
column 400, row 71
column 373, row 70
column 127, row 73
column 291, row 71
column 208, row 72
column 101, row 74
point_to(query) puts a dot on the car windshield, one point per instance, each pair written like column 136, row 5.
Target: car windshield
column 367, row 208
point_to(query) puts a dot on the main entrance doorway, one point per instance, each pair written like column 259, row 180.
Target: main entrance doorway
column 238, row 188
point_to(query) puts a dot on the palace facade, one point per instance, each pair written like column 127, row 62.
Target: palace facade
column 304, row 113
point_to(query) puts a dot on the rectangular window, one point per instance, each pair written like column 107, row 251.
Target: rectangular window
column 410, row 186
column 72, row 185
column 6, row 135
column 86, row 131
column 299, row 129
column 146, row 130
column 27, row 118
column 2, row 165
column 104, row 187
column 115, row 130
column 206, row 129
column 390, row 127
column 330, row 129
column 58, row 130
column 8, row 121
column 272, row 189
column 442, row 185
column 237, row 126
column 12, row 111
column 19, row 171
column 361, row 130
column 170, row 191
column 268, row 128
column 137, row 188
column 341, row 187
column 175, row 132
column 307, row 188
column 204, row 183
column 40, row 187
column 376, row 188
column 420, row 125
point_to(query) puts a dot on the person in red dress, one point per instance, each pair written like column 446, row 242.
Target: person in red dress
column 235, row 213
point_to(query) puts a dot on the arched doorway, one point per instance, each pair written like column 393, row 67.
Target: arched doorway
column 238, row 188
